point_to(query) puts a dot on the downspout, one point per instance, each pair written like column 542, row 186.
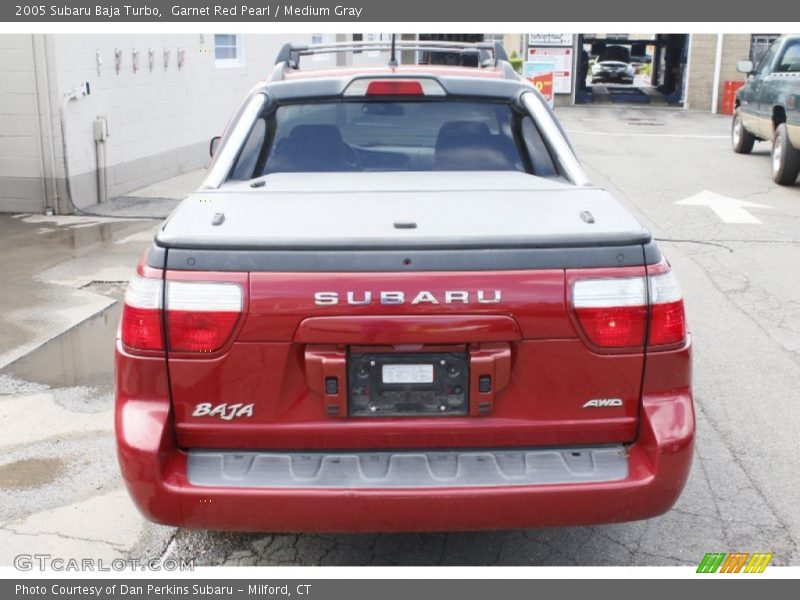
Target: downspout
column 100, row 134
column 46, row 207
column 717, row 70
column 47, row 114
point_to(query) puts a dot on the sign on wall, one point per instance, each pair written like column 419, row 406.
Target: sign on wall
column 562, row 59
column 541, row 73
column 550, row 39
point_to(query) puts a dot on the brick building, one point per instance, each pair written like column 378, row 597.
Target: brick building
column 711, row 54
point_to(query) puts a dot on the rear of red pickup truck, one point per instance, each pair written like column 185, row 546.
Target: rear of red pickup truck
column 397, row 304
column 401, row 391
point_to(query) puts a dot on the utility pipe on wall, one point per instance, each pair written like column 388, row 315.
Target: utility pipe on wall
column 100, row 127
column 73, row 94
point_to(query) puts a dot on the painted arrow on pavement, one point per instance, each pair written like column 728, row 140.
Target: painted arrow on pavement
column 729, row 210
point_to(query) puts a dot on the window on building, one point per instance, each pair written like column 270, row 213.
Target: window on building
column 790, row 61
column 228, row 50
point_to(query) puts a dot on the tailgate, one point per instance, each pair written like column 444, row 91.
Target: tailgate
column 405, row 359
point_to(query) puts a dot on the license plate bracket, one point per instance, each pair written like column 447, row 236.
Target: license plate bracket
column 410, row 384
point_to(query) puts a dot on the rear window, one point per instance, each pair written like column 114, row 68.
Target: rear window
column 389, row 136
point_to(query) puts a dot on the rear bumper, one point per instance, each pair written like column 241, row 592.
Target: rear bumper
column 156, row 473
column 611, row 78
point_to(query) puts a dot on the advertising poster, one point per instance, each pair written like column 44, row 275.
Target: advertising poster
column 562, row 58
column 541, row 73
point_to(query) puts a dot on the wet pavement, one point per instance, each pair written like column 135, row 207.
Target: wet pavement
column 30, row 473
column 81, row 357
column 154, row 201
column 60, row 489
column 50, row 269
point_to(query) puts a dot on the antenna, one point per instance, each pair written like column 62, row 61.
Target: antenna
column 393, row 57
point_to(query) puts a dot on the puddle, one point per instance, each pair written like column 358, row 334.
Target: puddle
column 112, row 289
column 81, row 357
column 30, row 473
column 56, row 472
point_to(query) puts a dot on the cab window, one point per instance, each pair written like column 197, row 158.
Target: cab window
column 790, row 61
column 766, row 60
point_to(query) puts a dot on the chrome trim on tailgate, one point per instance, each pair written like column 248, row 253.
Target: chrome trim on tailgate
column 410, row 469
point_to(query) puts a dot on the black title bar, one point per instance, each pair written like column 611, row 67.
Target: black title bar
column 388, row 11
column 396, row 589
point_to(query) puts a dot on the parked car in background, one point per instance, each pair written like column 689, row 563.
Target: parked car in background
column 613, row 66
column 611, row 71
column 616, row 53
column 767, row 108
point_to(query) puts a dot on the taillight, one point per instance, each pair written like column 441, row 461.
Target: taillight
column 667, row 316
column 394, row 87
column 141, row 314
column 612, row 312
column 201, row 316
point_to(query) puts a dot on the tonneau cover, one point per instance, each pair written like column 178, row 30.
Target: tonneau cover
column 400, row 210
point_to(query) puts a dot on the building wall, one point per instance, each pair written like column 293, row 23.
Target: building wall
column 735, row 47
column 702, row 54
column 21, row 182
column 514, row 42
column 160, row 120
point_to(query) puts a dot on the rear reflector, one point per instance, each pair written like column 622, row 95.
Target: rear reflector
column 612, row 312
column 394, row 87
column 141, row 314
column 201, row 316
column 199, row 331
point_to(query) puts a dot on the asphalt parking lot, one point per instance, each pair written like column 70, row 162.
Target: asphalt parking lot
column 732, row 236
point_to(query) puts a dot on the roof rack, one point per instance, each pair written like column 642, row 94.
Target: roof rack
column 489, row 54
